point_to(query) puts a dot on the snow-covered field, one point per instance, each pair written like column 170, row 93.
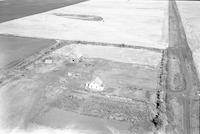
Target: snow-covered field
column 118, row 54
column 139, row 23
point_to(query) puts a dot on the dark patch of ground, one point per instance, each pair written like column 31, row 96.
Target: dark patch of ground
column 13, row 9
column 15, row 49
column 80, row 17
